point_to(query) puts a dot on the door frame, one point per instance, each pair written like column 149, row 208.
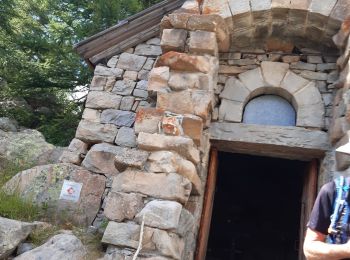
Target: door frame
column 307, row 201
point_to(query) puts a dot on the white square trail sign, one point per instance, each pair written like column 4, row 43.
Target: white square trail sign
column 71, row 191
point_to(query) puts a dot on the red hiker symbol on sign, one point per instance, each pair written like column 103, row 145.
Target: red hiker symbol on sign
column 71, row 191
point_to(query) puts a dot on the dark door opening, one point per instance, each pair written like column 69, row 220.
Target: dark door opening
column 257, row 208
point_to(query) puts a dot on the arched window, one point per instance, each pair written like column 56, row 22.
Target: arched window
column 269, row 110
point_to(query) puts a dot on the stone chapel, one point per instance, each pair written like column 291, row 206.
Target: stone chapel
column 214, row 123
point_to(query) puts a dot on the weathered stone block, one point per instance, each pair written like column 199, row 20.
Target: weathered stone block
column 127, row 103
column 311, row 116
column 148, row 120
column 326, row 66
column 170, row 162
column 333, row 77
column 118, row 117
column 140, row 93
column 343, row 159
column 91, row 115
column 308, row 95
column 193, row 127
column 112, row 62
column 235, row 90
column 158, row 80
column 101, row 99
column 121, row 206
column 338, row 129
column 231, row 70
column 314, row 59
column 231, row 111
column 173, row 40
column 142, row 84
column 100, row 158
column 203, row 42
column 178, row 20
column 186, row 223
column 149, row 64
column 253, row 79
column 126, row 137
column 182, row 145
column 133, row 158
column 303, row 66
column 314, row 75
column 202, row 103
column 95, row 133
column 190, row 6
column 148, row 50
column 161, row 186
column 105, row 71
column 182, row 81
column 98, row 83
column 129, row 74
column 184, row 62
column 143, row 75
column 292, row 82
column 290, row 59
column 78, row 146
column 129, row 61
column 274, row 72
column 160, row 214
column 70, row 157
column 176, row 102
column 124, row 87
column 127, row 235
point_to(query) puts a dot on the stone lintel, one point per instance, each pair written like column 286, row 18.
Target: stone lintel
column 273, row 141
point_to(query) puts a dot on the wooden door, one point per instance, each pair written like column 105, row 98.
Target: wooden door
column 307, row 201
column 204, row 228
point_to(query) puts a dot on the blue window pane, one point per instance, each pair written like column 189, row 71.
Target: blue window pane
column 269, row 110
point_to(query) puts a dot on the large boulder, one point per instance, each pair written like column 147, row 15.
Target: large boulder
column 43, row 185
column 27, row 147
column 59, row 247
column 12, row 233
column 8, row 125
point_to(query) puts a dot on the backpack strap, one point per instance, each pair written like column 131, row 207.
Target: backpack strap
column 339, row 219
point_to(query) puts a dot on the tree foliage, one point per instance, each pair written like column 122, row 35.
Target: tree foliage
column 38, row 64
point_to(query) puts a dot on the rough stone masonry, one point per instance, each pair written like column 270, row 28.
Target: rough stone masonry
column 145, row 125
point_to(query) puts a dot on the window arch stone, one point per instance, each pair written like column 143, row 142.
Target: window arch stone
column 273, row 78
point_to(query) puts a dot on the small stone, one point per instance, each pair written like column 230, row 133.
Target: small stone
column 129, row 74
column 70, row 157
column 143, row 75
column 132, row 62
column 158, row 79
column 148, row 50
column 274, row 72
column 98, row 83
column 290, row 58
column 314, row 59
column 110, row 84
column 303, row 66
column 235, row 90
column 140, row 93
column 105, row 71
column 94, row 132
column 173, row 40
column 149, row 64
column 242, row 62
column 326, row 66
column 24, row 247
column 333, row 77
column 118, row 117
column 142, row 84
column 78, row 146
column 154, row 41
column 148, row 120
column 193, row 127
column 231, row 70
column 91, row 115
column 124, row 87
column 127, row 103
column 121, row 206
column 314, row 75
column 231, row 111
column 126, row 137
column 112, row 62
column 160, row 214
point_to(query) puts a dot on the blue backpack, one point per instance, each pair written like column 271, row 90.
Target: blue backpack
column 339, row 228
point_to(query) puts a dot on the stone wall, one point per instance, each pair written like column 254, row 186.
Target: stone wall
column 145, row 125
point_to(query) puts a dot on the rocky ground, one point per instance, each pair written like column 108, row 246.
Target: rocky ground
column 57, row 233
